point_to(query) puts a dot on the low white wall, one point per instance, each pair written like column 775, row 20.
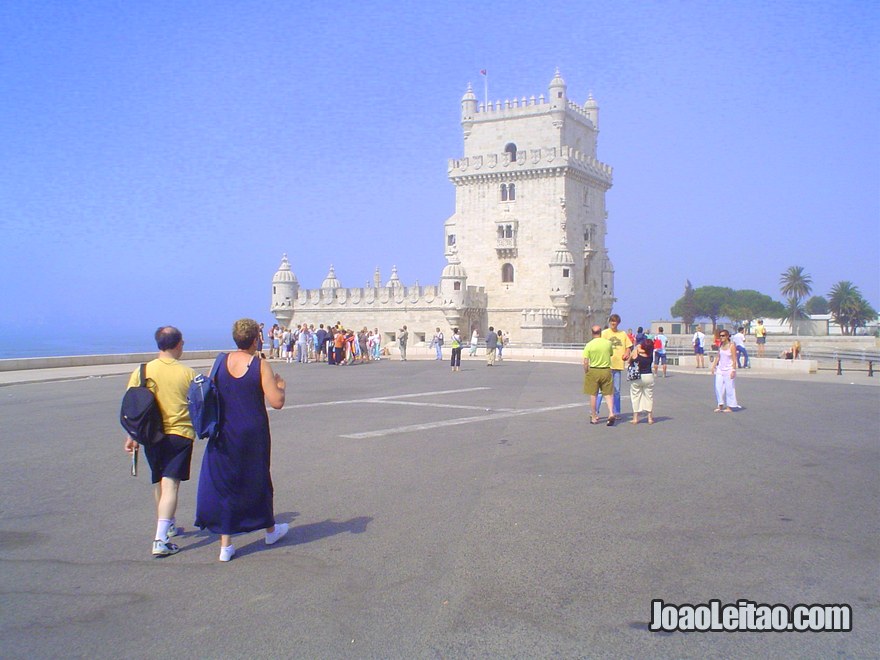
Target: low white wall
column 21, row 364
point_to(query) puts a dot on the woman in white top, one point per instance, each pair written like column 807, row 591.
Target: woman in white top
column 475, row 339
column 724, row 370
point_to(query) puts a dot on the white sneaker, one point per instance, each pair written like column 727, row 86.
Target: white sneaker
column 227, row 553
column 164, row 548
column 174, row 530
column 280, row 530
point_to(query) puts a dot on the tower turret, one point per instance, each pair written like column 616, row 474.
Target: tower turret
column 453, row 289
column 592, row 109
column 558, row 99
column 562, row 278
column 330, row 282
column 468, row 110
column 285, row 288
column 394, row 280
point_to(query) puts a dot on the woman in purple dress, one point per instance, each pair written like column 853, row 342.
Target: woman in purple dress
column 235, row 488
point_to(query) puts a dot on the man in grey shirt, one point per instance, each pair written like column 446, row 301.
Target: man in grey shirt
column 491, row 346
column 402, row 336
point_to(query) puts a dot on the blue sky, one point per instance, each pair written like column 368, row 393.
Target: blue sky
column 156, row 159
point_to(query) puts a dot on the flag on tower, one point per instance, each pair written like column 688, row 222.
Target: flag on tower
column 483, row 72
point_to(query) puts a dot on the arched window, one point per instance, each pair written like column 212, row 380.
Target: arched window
column 503, row 192
column 511, row 192
column 511, row 149
column 507, row 273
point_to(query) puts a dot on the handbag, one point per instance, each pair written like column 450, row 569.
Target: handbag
column 632, row 371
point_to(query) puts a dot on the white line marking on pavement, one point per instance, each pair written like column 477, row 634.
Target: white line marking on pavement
column 441, row 405
column 456, row 422
column 384, row 399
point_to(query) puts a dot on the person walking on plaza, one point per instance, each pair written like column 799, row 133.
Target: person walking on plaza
column 402, row 338
column 235, row 484
column 742, row 355
column 456, row 350
column 597, row 374
column 724, row 370
column 660, row 343
column 621, row 343
column 491, row 347
column 475, row 339
column 641, row 391
column 500, row 346
column 761, row 337
column 699, row 340
column 170, row 457
column 437, row 343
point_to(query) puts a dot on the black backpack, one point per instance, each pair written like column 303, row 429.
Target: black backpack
column 139, row 414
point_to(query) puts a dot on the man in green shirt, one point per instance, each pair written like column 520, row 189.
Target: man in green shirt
column 597, row 374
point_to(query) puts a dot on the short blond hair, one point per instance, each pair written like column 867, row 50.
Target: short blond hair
column 245, row 332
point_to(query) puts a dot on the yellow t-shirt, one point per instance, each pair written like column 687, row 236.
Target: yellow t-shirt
column 760, row 330
column 171, row 379
column 619, row 344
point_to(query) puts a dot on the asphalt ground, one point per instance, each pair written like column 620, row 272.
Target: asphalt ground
column 438, row 515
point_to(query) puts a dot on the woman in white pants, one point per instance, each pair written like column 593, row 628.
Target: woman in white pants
column 724, row 369
column 641, row 391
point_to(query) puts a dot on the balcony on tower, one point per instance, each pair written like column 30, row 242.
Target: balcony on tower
column 505, row 238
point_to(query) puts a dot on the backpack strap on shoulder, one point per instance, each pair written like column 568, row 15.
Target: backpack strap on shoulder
column 217, row 363
column 143, row 374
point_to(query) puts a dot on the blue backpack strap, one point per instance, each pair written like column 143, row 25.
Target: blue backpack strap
column 217, row 363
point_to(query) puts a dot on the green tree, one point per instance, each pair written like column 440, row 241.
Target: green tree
column 746, row 305
column 711, row 300
column 848, row 308
column 685, row 308
column 816, row 305
column 793, row 313
column 795, row 283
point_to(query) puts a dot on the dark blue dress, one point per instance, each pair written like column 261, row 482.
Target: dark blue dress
column 235, row 487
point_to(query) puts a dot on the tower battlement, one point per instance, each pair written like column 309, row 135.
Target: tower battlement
column 525, row 107
column 530, row 159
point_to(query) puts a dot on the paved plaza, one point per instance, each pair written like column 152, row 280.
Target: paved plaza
column 438, row 515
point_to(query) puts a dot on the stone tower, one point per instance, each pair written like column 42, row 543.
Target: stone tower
column 530, row 222
column 285, row 288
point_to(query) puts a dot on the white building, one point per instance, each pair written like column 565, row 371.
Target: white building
column 526, row 244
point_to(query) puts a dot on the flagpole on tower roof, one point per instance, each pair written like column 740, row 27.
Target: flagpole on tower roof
column 485, row 75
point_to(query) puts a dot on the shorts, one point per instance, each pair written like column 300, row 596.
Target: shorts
column 659, row 358
column 698, row 350
column 598, row 379
column 170, row 457
column 762, row 340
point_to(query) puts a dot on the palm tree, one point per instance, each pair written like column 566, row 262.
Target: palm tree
column 795, row 283
column 849, row 309
column 794, row 312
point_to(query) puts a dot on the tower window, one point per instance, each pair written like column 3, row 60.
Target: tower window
column 450, row 240
column 456, row 286
column 507, row 273
column 503, row 192
column 511, row 191
column 274, row 291
column 511, row 149
column 566, row 272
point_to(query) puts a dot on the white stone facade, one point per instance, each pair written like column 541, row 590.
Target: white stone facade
column 525, row 246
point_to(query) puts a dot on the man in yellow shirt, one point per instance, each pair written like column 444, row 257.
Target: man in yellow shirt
column 620, row 346
column 169, row 458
